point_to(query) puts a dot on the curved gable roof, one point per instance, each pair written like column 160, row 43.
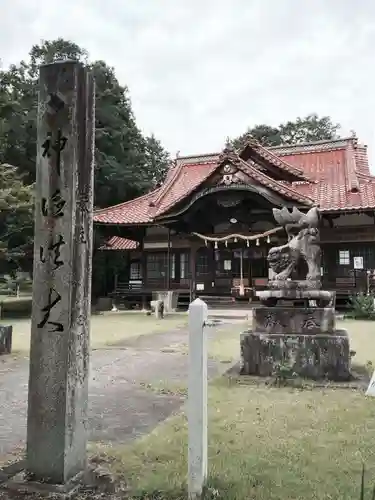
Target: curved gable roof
column 333, row 174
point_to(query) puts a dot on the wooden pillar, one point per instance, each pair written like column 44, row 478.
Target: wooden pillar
column 143, row 270
column 59, row 354
column 169, row 260
column 193, row 270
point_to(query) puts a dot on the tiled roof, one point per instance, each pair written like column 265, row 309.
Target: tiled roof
column 280, row 187
column 275, row 160
column 337, row 171
column 118, row 243
column 135, row 211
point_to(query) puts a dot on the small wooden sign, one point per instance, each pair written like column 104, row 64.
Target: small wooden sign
column 358, row 262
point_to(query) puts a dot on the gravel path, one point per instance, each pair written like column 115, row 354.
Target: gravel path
column 120, row 408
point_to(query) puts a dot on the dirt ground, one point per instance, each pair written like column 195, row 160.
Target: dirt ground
column 120, row 407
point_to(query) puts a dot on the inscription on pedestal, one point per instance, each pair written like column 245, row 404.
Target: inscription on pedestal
column 276, row 320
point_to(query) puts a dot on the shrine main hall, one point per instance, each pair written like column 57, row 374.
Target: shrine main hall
column 207, row 230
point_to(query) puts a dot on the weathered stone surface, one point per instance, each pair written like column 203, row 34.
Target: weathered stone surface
column 324, row 298
column 294, row 285
column 303, row 340
column 305, row 321
column 59, row 354
column 310, row 356
column 6, row 333
column 157, row 307
column 169, row 298
column 303, row 244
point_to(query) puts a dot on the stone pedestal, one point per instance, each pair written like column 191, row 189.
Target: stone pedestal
column 169, row 299
column 304, row 339
column 312, row 356
column 286, row 320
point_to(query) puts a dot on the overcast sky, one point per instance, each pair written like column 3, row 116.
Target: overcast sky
column 199, row 71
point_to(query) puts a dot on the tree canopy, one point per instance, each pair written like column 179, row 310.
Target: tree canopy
column 305, row 129
column 127, row 162
column 16, row 218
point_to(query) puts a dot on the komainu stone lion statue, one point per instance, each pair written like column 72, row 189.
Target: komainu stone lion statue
column 303, row 243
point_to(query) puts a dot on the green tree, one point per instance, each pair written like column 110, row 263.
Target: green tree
column 157, row 160
column 306, row 129
column 16, row 219
column 123, row 163
column 264, row 134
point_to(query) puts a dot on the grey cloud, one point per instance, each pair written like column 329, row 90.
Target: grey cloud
column 201, row 70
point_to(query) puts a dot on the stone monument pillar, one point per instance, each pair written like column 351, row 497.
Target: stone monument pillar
column 59, row 355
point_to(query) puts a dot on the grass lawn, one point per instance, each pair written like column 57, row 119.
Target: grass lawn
column 106, row 329
column 264, row 442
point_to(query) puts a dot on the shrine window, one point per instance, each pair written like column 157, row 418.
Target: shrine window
column 173, row 266
column 184, row 265
column 156, row 265
column 202, row 262
column 135, row 270
column 344, row 257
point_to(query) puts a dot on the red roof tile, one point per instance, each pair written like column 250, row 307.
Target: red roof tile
column 135, row 211
column 117, row 243
column 275, row 160
column 279, row 187
column 337, row 171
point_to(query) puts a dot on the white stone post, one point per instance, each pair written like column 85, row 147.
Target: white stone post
column 59, row 353
column 197, row 399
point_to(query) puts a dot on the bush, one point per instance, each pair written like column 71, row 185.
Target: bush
column 362, row 307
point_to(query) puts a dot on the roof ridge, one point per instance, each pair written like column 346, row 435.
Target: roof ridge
column 366, row 176
column 265, row 152
column 186, row 193
column 170, row 182
column 351, row 169
column 275, row 183
column 200, row 155
column 313, row 143
column 278, row 147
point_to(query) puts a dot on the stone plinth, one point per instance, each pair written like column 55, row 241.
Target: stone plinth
column 316, row 356
column 169, row 298
column 323, row 298
column 294, row 284
column 305, row 321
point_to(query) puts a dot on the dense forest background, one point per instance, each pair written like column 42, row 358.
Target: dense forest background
column 128, row 163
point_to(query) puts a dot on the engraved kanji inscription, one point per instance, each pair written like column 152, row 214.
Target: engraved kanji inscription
column 57, row 204
column 271, row 321
column 55, row 103
column 309, row 322
column 83, row 208
column 58, row 327
column 56, row 145
column 55, row 248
